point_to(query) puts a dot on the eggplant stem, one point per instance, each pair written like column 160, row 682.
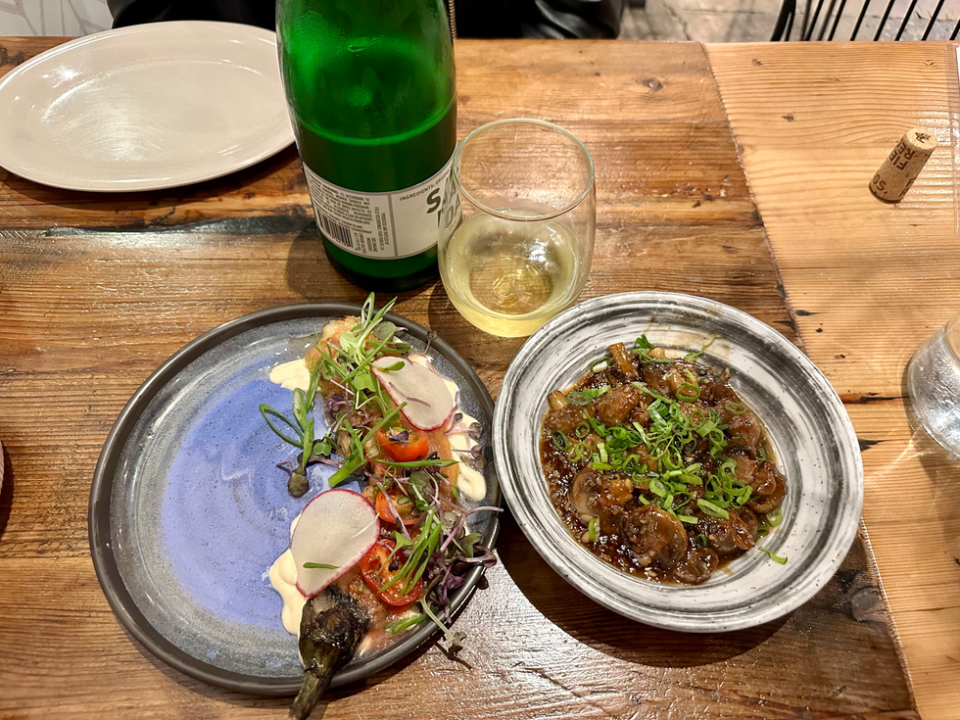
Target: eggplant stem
column 310, row 692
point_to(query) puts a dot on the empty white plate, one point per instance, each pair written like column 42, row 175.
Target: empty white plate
column 145, row 107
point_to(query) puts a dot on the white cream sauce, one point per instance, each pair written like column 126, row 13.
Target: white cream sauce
column 283, row 578
column 291, row 375
column 470, row 482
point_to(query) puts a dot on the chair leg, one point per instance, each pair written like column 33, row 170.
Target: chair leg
column 836, row 19
column 883, row 20
column 787, row 11
column 863, row 12
column 816, row 16
column 906, row 19
column 933, row 20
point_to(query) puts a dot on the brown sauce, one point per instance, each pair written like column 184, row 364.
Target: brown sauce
column 658, row 467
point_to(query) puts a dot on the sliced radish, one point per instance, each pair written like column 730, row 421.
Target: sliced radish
column 336, row 528
column 429, row 403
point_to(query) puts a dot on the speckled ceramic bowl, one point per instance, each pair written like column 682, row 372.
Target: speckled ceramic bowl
column 810, row 432
column 188, row 511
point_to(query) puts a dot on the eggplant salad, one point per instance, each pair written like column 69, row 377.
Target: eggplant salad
column 658, row 467
column 363, row 567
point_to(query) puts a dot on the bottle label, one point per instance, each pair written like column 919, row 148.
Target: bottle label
column 386, row 225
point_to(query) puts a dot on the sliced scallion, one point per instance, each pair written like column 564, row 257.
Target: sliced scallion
column 586, row 396
column 707, row 427
column 688, row 392
column 774, row 517
column 647, row 391
column 695, row 355
column 773, row 556
column 713, row 510
column 735, row 408
column 599, row 365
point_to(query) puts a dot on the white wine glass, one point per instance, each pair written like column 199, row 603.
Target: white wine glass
column 523, row 251
column 933, row 384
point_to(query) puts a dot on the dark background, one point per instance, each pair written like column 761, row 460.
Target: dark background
column 474, row 18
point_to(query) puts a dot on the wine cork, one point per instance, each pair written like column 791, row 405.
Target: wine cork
column 903, row 165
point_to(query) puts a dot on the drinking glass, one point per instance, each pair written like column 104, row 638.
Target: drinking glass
column 523, row 251
column 933, row 383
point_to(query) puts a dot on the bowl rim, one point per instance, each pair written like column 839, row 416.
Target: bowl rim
column 843, row 532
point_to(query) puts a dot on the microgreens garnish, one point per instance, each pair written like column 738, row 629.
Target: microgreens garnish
column 346, row 367
column 437, row 549
column 657, row 455
column 357, row 459
column 303, row 426
column 398, row 626
column 400, row 435
column 436, row 462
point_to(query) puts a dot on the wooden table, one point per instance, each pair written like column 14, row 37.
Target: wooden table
column 868, row 283
column 95, row 291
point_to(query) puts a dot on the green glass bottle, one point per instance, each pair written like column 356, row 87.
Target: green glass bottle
column 370, row 85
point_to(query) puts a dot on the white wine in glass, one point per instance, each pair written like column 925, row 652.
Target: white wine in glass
column 509, row 277
column 524, row 250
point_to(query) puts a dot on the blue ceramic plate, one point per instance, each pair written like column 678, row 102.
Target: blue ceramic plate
column 188, row 509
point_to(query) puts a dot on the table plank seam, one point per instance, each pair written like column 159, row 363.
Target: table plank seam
column 801, row 342
column 874, row 570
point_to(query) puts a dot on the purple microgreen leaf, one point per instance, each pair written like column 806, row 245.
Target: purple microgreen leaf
column 398, row 435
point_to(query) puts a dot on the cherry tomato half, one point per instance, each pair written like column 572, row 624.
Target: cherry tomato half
column 403, row 505
column 375, row 569
column 416, row 448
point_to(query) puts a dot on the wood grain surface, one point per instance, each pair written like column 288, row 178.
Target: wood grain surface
column 96, row 291
column 869, row 283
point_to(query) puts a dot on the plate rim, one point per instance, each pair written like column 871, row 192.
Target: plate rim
column 116, row 186
column 568, row 570
column 98, row 511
